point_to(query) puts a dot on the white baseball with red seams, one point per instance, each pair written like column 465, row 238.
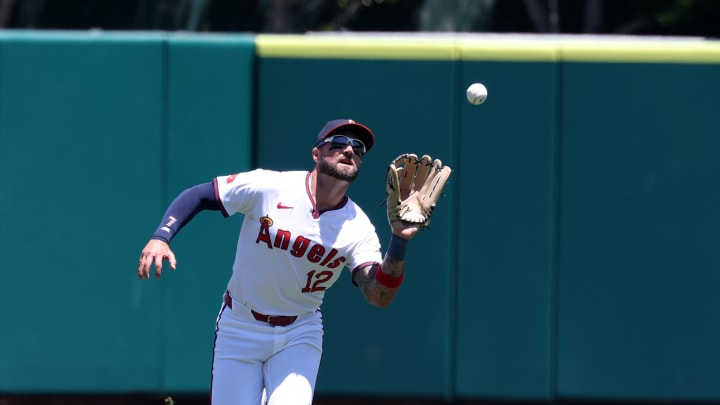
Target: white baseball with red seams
column 476, row 93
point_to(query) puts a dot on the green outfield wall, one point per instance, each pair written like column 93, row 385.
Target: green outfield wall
column 573, row 256
column 97, row 134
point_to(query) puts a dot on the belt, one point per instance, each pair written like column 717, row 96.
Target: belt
column 274, row 320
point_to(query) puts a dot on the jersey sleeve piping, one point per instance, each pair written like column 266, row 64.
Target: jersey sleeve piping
column 219, row 200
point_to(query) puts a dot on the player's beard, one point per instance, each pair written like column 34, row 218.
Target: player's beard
column 331, row 169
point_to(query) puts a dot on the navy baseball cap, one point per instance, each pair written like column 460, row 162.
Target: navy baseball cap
column 343, row 126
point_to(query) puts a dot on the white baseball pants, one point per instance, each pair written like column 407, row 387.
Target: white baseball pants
column 250, row 356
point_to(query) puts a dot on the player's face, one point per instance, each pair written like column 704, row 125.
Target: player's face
column 340, row 160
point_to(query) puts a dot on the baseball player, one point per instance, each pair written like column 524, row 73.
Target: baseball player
column 300, row 230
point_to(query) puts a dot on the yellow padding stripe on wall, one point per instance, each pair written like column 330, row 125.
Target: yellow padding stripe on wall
column 642, row 51
column 399, row 47
column 531, row 48
column 517, row 49
column 352, row 47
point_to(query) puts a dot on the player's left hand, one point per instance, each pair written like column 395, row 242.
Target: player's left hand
column 413, row 187
column 154, row 253
column 405, row 230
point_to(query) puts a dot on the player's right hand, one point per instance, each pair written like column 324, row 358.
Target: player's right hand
column 155, row 252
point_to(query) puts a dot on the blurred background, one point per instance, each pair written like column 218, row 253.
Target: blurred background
column 620, row 17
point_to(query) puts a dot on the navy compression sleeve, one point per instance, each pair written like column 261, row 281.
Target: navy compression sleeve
column 184, row 208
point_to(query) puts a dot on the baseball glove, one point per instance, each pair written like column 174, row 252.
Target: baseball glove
column 413, row 188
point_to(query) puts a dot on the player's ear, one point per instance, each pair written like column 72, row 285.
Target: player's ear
column 315, row 154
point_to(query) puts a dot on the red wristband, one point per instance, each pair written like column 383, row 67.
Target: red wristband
column 388, row 281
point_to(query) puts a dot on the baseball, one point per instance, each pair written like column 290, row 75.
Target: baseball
column 476, row 93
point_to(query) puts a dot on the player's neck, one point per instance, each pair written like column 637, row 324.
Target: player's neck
column 327, row 191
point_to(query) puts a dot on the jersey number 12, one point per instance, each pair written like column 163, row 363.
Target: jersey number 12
column 315, row 281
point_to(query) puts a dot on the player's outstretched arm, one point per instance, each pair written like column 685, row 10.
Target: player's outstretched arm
column 379, row 284
column 182, row 209
column 154, row 253
column 373, row 290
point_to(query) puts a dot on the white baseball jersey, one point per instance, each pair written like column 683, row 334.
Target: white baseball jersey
column 287, row 257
